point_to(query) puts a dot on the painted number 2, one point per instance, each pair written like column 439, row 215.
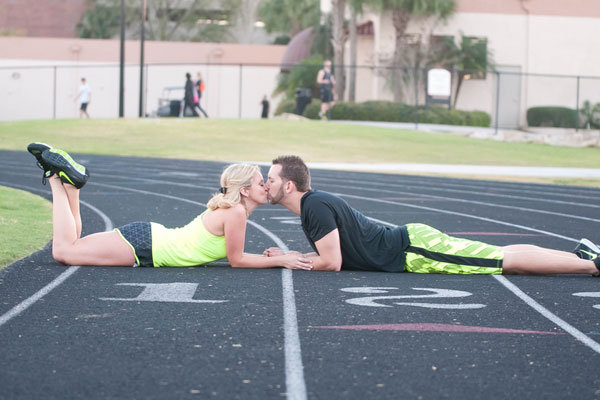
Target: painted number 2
column 373, row 301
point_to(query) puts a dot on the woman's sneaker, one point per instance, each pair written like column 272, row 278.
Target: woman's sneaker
column 36, row 149
column 61, row 163
column 587, row 250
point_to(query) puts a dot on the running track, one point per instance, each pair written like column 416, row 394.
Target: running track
column 216, row 332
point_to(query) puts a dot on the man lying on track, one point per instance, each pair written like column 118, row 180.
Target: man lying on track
column 343, row 238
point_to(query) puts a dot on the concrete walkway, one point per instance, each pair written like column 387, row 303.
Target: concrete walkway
column 492, row 170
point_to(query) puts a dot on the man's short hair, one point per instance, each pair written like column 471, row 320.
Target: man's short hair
column 295, row 170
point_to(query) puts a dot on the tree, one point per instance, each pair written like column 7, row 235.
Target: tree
column 590, row 114
column 338, row 40
column 303, row 75
column 289, row 16
column 403, row 11
column 471, row 58
column 101, row 21
column 181, row 20
column 356, row 7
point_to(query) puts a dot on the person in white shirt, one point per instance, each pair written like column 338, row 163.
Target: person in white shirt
column 85, row 96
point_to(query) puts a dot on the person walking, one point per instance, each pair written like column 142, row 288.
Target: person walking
column 188, row 97
column 84, row 94
column 198, row 95
column 326, row 82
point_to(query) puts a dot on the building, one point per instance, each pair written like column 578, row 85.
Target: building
column 544, row 53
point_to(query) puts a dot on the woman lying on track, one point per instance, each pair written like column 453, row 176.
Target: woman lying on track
column 217, row 233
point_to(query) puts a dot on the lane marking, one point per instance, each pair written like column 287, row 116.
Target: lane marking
column 295, row 382
column 175, row 292
column 496, row 195
column 492, row 187
column 495, row 205
column 576, row 333
column 25, row 304
column 493, row 234
column 432, row 327
column 294, row 369
column 453, row 213
column 372, row 301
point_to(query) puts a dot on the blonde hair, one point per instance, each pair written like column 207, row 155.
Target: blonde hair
column 233, row 178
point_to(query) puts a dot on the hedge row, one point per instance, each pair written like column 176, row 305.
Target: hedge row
column 391, row 112
column 558, row 117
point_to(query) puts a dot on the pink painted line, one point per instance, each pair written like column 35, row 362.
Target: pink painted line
column 427, row 327
column 494, row 234
column 406, row 198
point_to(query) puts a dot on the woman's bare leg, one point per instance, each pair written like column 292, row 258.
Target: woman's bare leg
column 105, row 248
column 73, row 197
column 533, row 260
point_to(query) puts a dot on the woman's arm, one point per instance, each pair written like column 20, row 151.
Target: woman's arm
column 235, row 234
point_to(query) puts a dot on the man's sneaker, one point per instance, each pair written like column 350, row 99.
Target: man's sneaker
column 587, row 250
column 36, row 149
column 61, row 163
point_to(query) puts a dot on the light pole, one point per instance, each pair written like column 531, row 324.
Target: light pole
column 141, row 112
column 122, row 61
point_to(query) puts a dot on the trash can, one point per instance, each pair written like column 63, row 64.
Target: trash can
column 303, row 98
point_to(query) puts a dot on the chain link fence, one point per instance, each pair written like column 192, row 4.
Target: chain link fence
column 511, row 98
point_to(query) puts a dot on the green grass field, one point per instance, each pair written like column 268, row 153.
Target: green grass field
column 255, row 140
column 262, row 140
column 25, row 224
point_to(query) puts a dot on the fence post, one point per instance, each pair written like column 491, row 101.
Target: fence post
column 240, row 95
column 416, row 75
column 54, row 96
column 577, row 107
column 497, row 102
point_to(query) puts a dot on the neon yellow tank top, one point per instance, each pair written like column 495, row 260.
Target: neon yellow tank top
column 186, row 246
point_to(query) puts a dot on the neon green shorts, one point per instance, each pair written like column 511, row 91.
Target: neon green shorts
column 433, row 252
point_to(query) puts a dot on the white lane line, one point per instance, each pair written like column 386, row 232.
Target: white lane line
column 28, row 302
column 576, row 333
column 479, row 193
column 476, row 202
column 437, row 210
column 294, row 369
column 559, row 191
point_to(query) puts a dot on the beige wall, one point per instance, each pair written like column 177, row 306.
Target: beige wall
column 30, row 67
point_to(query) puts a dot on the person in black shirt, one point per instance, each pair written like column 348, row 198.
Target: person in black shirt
column 343, row 238
column 326, row 82
column 265, row 107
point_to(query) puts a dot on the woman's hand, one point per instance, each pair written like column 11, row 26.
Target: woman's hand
column 273, row 252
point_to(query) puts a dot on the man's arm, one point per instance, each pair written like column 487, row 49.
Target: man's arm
column 329, row 257
column 330, row 253
column 320, row 75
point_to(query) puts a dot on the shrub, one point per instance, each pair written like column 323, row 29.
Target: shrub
column 389, row 111
column 478, row 118
column 558, row 117
column 348, row 111
column 312, row 110
column 286, row 106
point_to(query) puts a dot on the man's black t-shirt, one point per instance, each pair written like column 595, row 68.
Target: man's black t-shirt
column 365, row 245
